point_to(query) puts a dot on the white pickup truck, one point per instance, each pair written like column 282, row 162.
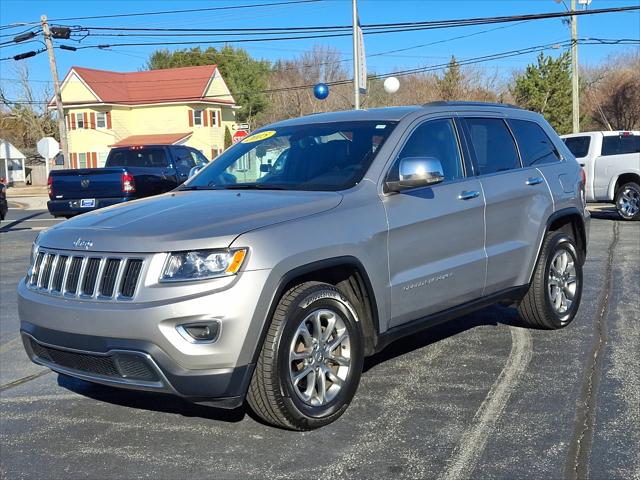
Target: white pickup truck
column 611, row 162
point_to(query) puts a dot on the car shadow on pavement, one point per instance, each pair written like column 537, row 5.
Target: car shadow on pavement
column 605, row 214
column 490, row 316
column 158, row 402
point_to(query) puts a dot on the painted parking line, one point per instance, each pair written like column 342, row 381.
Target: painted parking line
column 474, row 440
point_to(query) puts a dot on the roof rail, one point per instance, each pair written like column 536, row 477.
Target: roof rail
column 459, row 103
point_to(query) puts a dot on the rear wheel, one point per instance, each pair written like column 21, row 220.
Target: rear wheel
column 628, row 201
column 556, row 288
column 310, row 364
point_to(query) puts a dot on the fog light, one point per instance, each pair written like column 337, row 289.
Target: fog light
column 200, row 332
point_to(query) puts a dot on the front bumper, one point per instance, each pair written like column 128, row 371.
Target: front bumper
column 84, row 335
column 133, row 364
column 71, row 207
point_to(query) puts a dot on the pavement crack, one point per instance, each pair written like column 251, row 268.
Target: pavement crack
column 22, row 380
column 465, row 458
column 577, row 466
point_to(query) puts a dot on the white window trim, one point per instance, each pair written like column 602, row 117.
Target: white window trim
column 101, row 159
column 98, row 127
column 195, row 120
column 80, row 155
column 80, row 118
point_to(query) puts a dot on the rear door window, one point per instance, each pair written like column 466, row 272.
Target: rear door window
column 579, row 146
column 493, row 145
column 535, row 146
column 137, row 157
column 620, row 144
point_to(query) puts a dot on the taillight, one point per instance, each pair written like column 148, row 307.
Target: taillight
column 583, row 176
column 50, row 187
column 128, row 183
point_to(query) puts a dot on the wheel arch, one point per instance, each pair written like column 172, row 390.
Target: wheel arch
column 571, row 221
column 620, row 180
column 345, row 272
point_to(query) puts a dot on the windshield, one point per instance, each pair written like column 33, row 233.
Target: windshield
column 329, row 156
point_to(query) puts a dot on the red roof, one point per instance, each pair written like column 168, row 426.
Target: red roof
column 153, row 139
column 151, row 86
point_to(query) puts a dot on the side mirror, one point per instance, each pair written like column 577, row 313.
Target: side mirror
column 418, row 172
column 265, row 168
column 194, row 171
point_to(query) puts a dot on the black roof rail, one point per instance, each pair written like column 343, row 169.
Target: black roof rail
column 460, row 103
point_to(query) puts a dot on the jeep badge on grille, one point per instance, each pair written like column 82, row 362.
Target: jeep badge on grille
column 80, row 243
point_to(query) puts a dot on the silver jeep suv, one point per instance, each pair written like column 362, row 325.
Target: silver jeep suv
column 311, row 244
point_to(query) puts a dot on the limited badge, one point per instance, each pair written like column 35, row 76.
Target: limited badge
column 259, row 136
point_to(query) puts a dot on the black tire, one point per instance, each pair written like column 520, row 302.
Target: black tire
column 627, row 200
column 536, row 307
column 272, row 394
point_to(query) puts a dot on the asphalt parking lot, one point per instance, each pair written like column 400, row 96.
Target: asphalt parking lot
column 479, row 397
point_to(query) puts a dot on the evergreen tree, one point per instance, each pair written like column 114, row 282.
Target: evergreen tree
column 546, row 88
column 450, row 85
column 228, row 141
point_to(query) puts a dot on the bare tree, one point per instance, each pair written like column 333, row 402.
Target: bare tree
column 611, row 97
column 25, row 119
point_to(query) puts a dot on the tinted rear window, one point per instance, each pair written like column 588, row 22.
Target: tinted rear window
column 493, row 145
column 535, row 146
column 144, row 157
column 619, row 145
column 579, row 146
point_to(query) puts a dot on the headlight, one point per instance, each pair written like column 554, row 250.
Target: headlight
column 202, row 264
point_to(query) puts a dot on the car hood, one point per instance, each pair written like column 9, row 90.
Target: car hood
column 185, row 220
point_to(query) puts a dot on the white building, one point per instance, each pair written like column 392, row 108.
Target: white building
column 11, row 163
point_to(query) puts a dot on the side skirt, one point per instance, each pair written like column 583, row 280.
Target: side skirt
column 508, row 296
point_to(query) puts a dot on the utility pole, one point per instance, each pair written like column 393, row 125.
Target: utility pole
column 574, row 70
column 356, row 57
column 56, row 86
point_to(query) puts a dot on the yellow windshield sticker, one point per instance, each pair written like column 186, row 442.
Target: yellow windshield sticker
column 259, row 136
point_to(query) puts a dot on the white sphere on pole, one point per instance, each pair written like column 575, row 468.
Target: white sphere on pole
column 391, row 85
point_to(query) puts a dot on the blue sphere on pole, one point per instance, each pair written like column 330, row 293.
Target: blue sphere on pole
column 321, row 91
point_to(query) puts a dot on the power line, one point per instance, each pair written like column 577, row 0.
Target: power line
column 305, row 33
column 469, row 61
column 374, row 26
column 170, row 12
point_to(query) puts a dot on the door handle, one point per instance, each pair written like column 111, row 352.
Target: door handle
column 468, row 195
column 534, row 180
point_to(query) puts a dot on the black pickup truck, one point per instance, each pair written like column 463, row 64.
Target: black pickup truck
column 129, row 173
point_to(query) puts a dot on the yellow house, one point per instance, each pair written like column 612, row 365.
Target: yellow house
column 189, row 106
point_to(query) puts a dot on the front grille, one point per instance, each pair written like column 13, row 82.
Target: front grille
column 86, row 277
column 130, row 278
column 109, row 277
column 90, row 276
column 74, row 275
column 119, row 365
column 59, row 276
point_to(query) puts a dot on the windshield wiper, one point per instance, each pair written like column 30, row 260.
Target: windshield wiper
column 195, row 187
column 251, row 186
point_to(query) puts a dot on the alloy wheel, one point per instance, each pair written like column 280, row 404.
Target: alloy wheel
column 562, row 281
column 320, row 357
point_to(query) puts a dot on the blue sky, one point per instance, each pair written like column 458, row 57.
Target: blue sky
column 328, row 12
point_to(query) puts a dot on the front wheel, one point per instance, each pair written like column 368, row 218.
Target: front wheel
column 556, row 288
column 310, row 364
column 627, row 201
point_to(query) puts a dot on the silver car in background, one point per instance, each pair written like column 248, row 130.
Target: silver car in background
column 309, row 245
